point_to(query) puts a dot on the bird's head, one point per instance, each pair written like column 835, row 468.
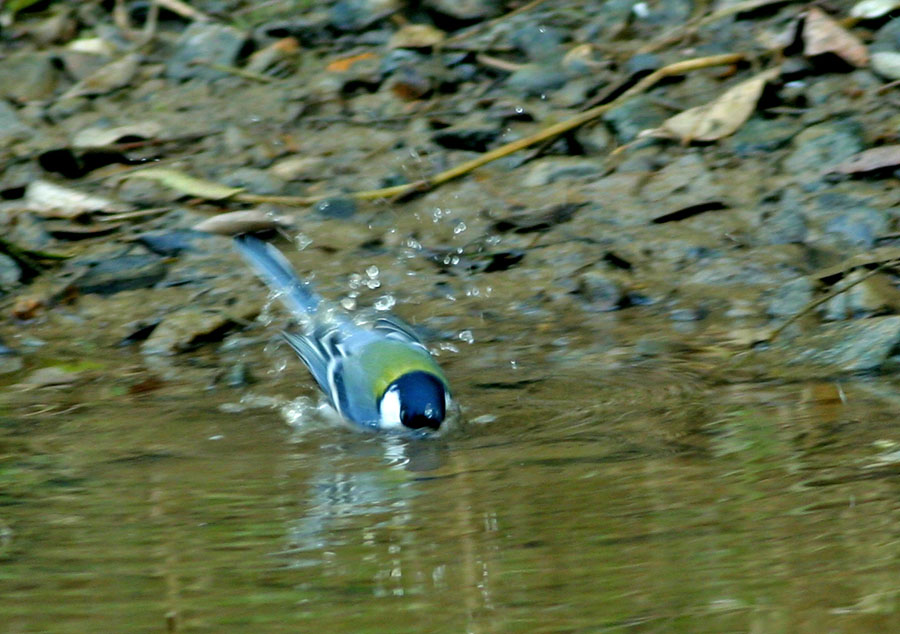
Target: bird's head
column 416, row 400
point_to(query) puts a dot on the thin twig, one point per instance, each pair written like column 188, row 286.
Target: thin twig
column 549, row 132
column 482, row 25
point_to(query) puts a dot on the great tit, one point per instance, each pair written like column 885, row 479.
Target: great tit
column 380, row 377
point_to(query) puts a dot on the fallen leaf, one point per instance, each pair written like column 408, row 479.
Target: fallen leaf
column 101, row 137
column 871, row 160
column 247, row 221
column 869, row 9
column 716, row 119
column 54, row 201
column 821, row 34
column 117, row 74
column 187, row 184
column 874, row 257
column 343, row 64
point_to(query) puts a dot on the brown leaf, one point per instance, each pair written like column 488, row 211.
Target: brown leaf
column 821, row 34
column 876, row 158
column 716, row 119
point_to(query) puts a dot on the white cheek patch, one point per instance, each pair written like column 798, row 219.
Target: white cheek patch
column 390, row 409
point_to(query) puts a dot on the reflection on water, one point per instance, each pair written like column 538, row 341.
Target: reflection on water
column 646, row 503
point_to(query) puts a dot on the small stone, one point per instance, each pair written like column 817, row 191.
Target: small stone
column 465, row 10
column 601, row 292
column 855, row 346
column 28, row 77
column 12, row 130
column 872, row 296
column 337, row 207
column 634, row 116
column 824, row 144
column 469, row 138
column 10, row 273
column 539, row 43
column 258, row 181
column 206, row 43
column 172, row 243
column 791, row 298
column 123, row 273
column 887, row 64
column 536, row 80
column 859, row 226
column 358, row 15
column 185, row 330
column 550, row 170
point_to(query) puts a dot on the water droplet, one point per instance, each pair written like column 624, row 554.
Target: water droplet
column 348, row 303
column 301, row 240
column 385, row 302
column 372, row 271
column 514, row 364
column 459, row 228
column 467, row 336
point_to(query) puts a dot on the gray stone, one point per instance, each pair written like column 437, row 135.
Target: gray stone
column 536, row 80
column 887, row 38
column 255, row 180
column 358, row 15
column 465, row 9
column 871, row 296
column 12, row 129
column 550, row 170
column 789, row 299
column 783, row 227
column 761, row 136
column 854, row 346
column 122, row 273
column 635, row 115
column 10, row 273
column 208, row 43
column 600, row 291
column 186, row 329
column 887, row 64
column 28, row 77
column 822, row 145
column 539, row 43
column 337, row 207
column 859, row 226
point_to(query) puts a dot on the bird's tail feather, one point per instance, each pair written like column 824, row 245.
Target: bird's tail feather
column 274, row 269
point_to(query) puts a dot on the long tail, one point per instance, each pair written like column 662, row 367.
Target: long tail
column 274, row 269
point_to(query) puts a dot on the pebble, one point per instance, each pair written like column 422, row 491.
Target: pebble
column 122, row 273
column 10, row 273
column 790, row 298
column 549, row 170
column 358, row 15
column 887, row 64
column 872, row 296
column 28, row 77
column 635, row 115
column 464, row 10
column 537, row 80
column 209, row 43
column 824, row 144
column 854, row 346
column 337, row 207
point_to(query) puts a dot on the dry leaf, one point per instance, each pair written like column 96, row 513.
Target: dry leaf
column 102, row 137
column 247, row 221
column 877, row 158
column 54, row 201
column 821, row 35
column 117, row 74
column 719, row 118
column 869, row 9
column 187, row 184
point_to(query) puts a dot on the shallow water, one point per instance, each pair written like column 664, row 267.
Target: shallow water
column 648, row 500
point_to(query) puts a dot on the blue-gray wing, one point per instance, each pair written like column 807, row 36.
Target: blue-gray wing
column 394, row 328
